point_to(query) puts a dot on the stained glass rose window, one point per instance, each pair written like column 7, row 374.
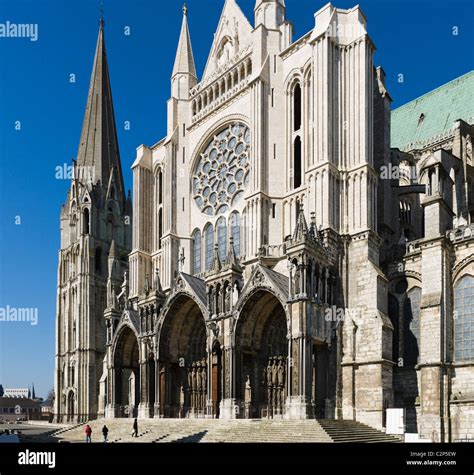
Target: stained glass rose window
column 222, row 170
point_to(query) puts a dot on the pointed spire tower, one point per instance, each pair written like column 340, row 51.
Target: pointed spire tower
column 184, row 76
column 98, row 149
column 96, row 231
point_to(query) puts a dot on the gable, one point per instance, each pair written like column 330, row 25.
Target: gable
column 233, row 35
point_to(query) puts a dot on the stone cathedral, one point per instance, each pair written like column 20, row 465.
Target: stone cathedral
column 297, row 250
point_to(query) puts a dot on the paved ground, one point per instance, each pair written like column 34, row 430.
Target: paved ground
column 32, row 432
column 204, row 430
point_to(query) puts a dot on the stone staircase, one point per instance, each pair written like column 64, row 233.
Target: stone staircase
column 353, row 431
column 224, row 431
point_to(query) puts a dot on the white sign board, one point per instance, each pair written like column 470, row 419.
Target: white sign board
column 395, row 421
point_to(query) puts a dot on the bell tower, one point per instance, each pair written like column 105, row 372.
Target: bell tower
column 95, row 231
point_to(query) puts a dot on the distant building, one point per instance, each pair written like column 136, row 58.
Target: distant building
column 17, row 393
column 14, row 408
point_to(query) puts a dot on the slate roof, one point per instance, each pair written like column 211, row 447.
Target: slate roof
column 280, row 280
column 21, row 401
column 433, row 114
column 197, row 285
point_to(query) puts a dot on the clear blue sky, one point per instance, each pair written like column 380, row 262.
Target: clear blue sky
column 414, row 38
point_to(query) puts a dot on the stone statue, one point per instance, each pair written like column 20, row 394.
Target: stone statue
column 194, row 386
column 269, row 381
column 269, row 372
column 157, row 283
column 190, row 379
column 113, row 297
column 123, row 296
column 227, row 299
column 275, row 381
column 181, row 260
column 281, row 380
column 146, row 285
column 296, row 281
column 274, row 372
column 204, row 376
column 198, row 376
column 181, row 396
column 281, row 372
column 248, row 390
column 211, row 302
column 235, row 294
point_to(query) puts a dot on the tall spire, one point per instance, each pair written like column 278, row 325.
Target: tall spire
column 99, row 147
column 184, row 62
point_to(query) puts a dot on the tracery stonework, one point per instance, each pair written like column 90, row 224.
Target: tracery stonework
column 222, row 170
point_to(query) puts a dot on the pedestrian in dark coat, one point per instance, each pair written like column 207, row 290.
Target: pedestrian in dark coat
column 105, row 433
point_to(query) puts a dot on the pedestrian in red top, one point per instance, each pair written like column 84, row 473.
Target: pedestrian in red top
column 88, row 431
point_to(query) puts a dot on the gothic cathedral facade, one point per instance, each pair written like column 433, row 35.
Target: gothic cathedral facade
column 273, row 271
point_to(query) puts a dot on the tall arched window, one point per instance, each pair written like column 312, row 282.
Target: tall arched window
column 464, row 319
column 297, row 107
column 86, row 221
column 222, row 238
column 209, row 243
column 160, row 187
column 235, row 232
column 197, row 252
column 160, row 227
column 411, row 327
column 297, row 163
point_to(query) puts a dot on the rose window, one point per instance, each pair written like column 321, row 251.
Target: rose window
column 222, row 171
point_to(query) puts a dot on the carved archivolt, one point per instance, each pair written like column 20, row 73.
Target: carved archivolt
column 180, row 290
column 460, row 267
column 258, row 281
column 222, row 170
column 125, row 324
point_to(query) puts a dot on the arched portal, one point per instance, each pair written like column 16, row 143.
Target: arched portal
column 262, row 356
column 127, row 374
column 183, row 361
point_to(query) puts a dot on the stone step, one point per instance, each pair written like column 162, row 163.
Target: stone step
column 234, row 431
column 353, row 431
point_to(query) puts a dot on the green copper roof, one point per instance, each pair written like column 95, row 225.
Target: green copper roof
column 433, row 113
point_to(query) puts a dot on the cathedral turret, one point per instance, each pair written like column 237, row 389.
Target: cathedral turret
column 184, row 76
column 270, row 13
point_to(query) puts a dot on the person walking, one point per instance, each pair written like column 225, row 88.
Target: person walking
column 105, row 433
column 88, row 431
column 135, row 428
